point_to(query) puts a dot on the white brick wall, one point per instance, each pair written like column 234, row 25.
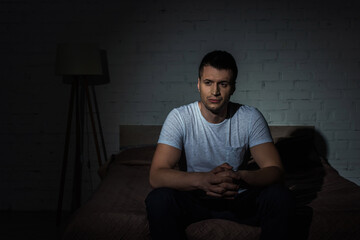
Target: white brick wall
column 298, row 62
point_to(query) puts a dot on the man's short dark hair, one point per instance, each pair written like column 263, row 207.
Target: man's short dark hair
column 220, row 60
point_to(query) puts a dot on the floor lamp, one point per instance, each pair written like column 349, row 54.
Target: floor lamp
column 80, row 65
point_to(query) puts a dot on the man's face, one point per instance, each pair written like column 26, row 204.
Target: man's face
column 215, row 89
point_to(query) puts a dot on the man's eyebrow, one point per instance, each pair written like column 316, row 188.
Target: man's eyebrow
column 221, row 81
column 207, row 80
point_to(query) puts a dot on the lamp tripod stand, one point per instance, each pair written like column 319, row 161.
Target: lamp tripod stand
column 80, row 95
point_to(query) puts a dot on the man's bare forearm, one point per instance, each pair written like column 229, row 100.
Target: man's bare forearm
column 262, row 177
column 175, row 179
column 211, row 183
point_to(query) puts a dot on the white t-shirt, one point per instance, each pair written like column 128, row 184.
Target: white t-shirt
column 208, row 145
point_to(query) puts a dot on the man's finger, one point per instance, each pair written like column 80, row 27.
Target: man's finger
column 229, row 174
column 229, row 194
column 218, row 189
column 221, row 168
column 229, row 186
column 220, row 179
column 226, row 194
column 212, row 194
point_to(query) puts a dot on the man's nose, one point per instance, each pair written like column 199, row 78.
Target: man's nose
column 215, row 90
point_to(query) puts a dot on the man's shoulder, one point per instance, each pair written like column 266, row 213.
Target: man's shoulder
column 187, row 106
column 242, row 109
column 186, row 109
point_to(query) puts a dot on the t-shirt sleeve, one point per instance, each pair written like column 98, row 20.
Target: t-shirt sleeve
column 259, row 130
column 172, row 130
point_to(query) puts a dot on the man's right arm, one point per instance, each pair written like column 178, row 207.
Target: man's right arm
column 163, row 174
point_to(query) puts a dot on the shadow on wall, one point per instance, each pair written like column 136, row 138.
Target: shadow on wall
column 303, row 155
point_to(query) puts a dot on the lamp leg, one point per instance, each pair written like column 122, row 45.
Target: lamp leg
column 76, row 195
column 65, row 157
column 98, row 119
column 92, row 122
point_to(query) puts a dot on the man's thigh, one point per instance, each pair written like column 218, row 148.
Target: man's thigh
column 186, row 206
column 194, row 206
column 254, row 204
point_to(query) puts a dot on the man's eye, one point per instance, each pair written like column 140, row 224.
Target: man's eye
column 207, row 82
column 224, row 84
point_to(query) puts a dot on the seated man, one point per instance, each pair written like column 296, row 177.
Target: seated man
column 214, row 134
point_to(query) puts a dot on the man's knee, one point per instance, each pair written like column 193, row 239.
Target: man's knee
column 164, row 214
column 279, row 196
column 159, row 199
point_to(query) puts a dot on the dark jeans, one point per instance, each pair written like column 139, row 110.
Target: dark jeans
column 171, row 211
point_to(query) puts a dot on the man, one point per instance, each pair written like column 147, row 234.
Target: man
column 215, row 135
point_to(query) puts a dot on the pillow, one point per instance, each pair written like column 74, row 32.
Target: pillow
column 140, row 155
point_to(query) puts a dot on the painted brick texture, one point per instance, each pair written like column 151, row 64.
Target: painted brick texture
column 298, row 63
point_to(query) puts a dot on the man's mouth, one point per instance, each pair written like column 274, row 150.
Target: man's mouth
column 214, row 100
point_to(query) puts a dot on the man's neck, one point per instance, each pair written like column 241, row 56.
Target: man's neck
column 212, row 117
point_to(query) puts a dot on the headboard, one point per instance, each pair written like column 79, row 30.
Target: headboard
column 135, row 135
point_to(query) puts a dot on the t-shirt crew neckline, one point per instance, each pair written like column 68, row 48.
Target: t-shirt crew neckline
column 206, row 121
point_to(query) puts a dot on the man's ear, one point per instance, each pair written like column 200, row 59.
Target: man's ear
column 198, row 84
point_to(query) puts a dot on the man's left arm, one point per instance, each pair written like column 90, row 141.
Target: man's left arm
column 271, row 169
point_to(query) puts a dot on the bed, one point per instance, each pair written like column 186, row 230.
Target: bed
column 328, row 205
